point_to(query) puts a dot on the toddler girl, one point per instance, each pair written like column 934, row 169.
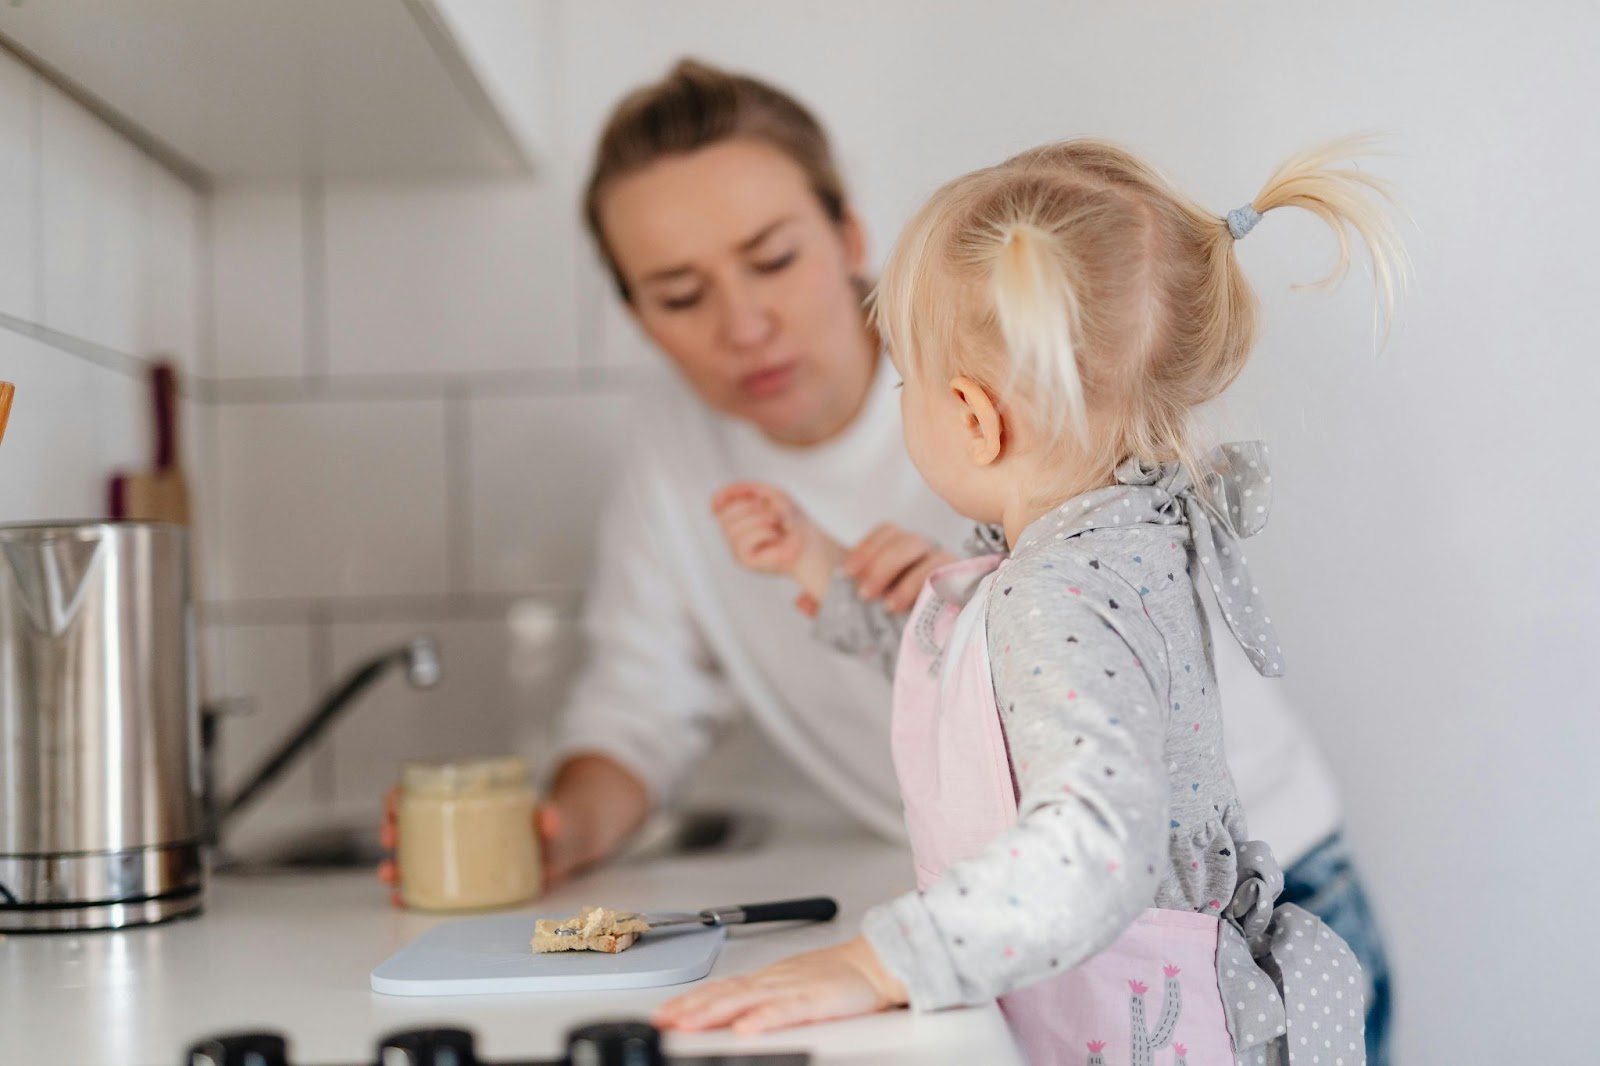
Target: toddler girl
column 1080, row 851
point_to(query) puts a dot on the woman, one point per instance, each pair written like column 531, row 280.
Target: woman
column 716, row 205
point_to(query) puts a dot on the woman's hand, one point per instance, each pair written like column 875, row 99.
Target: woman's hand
column 838, row 982
column 892, row 564
column 389, row 840
column 595, row 804
column 768, row 533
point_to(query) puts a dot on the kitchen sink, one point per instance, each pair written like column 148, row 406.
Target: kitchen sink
column 341, row 847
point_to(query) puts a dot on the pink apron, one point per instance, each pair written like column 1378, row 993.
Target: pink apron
column 959, row 792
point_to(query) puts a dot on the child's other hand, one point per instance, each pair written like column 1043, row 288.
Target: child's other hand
column 838, row 982
column 765, row 529
column 771, row 535
column 892, row 564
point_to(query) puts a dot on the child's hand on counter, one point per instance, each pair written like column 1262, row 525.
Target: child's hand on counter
column 837, row 982
column 768, row 533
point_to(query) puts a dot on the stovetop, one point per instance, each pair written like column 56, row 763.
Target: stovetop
column 617, row 1043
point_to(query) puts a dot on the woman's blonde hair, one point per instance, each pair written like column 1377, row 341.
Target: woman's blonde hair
column 1097, row 300
column 695, row 106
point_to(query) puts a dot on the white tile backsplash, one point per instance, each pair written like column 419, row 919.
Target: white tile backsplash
column 169, row 320
column 621, row 341
column 449, row 277
column 18, row 210
column 541, row 472
column 72, row 426
column 746, row 771
column 197, row 436
column 51, row 452
column 98, row 243
column 324, row 498
column 94, row 187
column 124, row 430
column 258, row 280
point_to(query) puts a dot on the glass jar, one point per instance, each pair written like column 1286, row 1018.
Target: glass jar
column 466, row 834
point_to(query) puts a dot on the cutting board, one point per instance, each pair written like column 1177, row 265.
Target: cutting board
column 478, row 956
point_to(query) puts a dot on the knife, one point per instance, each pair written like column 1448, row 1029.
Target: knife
column 811, row 909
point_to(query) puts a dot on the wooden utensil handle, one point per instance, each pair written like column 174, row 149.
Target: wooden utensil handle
column 7, row 391
column 164, row 389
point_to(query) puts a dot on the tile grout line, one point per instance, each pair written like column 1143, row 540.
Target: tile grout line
column 422, row 385
column 208, row 357
column 314, row 295
column 589, row 291
column 319, row 632
column 89, row 351
column 36, row 151
column 592, row 369
column 227, row 392
column 458, row 491
column 206, row 491
column 384, row 608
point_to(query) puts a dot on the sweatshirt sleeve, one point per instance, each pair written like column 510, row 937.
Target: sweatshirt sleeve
column 649, row 695
column 1085, row 725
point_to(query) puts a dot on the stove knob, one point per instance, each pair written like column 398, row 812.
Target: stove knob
column 240, row 1049
column 615, row 1044
column 428, row 1047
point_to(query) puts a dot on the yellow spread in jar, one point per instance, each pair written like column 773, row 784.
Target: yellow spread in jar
column 466, row 835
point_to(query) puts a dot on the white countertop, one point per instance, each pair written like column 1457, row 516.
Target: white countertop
column 292, row 953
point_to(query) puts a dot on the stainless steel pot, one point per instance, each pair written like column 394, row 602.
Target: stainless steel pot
column 100, row 822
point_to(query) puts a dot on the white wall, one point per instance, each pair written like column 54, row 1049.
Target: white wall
column 396, row 363
column 100, row 259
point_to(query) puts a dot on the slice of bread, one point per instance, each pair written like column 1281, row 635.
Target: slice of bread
column 591, row 929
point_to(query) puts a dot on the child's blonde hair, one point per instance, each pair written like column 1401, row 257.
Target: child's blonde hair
column 1116, row 302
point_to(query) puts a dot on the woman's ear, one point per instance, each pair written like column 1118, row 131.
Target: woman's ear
column 983, row 427
column 854, row 236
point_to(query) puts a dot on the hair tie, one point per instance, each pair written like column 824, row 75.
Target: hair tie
column 1241, row 220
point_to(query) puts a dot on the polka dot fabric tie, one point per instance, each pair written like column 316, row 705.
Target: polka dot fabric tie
column 1234, row 505
column 1292, row 990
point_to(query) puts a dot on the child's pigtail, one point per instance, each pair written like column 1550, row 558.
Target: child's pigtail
column 1036, row 307
column 1345, row 198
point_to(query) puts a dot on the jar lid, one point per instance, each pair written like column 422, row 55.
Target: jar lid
column 464, row 777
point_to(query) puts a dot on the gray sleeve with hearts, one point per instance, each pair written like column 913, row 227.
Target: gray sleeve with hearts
column 847, row 623
column 1085, row 730
column 856, row 627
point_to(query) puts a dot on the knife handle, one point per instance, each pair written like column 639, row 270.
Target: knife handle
column 814, row 909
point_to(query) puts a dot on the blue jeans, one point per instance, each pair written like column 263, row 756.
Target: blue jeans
column 1325, row 883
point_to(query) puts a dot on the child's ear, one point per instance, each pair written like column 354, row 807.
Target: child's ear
column 983, row 428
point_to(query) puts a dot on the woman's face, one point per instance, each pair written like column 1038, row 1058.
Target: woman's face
column 738, row 274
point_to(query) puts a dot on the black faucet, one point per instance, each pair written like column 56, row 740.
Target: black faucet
column 420, row 658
